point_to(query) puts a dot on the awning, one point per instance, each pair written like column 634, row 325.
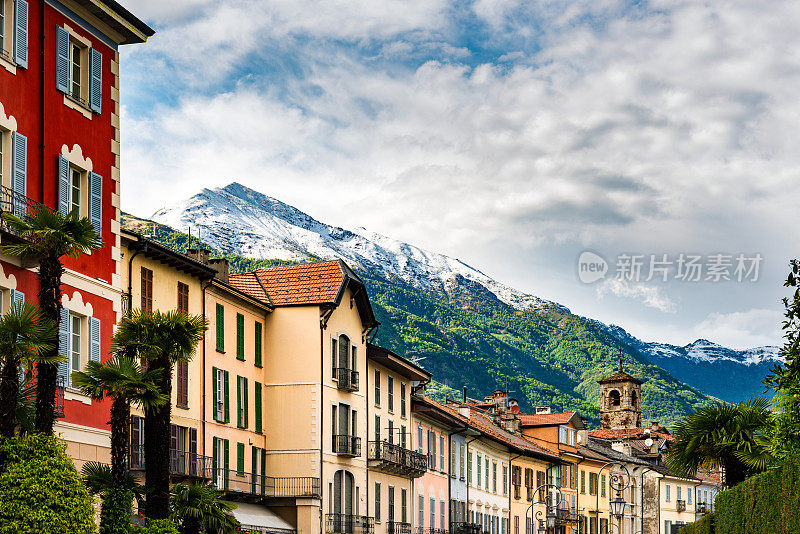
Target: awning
column 261, row 519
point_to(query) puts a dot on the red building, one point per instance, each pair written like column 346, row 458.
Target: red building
column 59, row 146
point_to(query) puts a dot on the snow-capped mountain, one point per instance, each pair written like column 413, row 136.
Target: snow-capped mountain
column 239, row 220
column 725, row 373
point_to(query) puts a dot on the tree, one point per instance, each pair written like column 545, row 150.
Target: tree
column 198, row 508
column 161, row 338
column 711, row 438
column 49, row 235
column 116, row 509
column 25, row 339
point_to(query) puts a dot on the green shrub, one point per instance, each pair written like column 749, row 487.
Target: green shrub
column 157, row 526
column 41, row 492
column 705, row 525
column 115, row 517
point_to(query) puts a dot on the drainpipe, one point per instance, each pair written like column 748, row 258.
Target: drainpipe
column 577, row 485
column 366, row 396
column 203, row 377
column 323, row 325
column 658, row 508
column 466, row 499
column 41, row 101
column 508, row 488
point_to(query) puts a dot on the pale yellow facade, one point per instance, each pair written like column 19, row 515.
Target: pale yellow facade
column 525, row 503
column 676, row 502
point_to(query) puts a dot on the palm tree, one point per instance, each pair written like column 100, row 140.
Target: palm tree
column 122, row 379
column 162, row 339
column 197, row 508
column 49, row 235
column 115, row 508
column 25, row 338
column 716, row 436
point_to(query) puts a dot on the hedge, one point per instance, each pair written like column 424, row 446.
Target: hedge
column 704, row 525
column 763, row 504
column 41, row 492
column 156, row 526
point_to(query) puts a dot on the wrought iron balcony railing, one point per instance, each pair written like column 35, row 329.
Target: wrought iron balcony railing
column 253, row 529
column 180, row 462
column 13, row 202
column 702, row 508
column 29, row 380
column 566, row 515
column 346, row 379
column 680, row 505
column 398, row 527
column 347, row 445
column 465, row 528
column 430, row 530
column 395, row 459
column 349, row 524
column 266, row 486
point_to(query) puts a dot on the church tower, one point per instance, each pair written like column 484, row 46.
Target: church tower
column 620, row 401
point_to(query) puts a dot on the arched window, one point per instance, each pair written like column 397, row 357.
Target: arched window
column 343, row 492
column 634, row 400
column 613, row 398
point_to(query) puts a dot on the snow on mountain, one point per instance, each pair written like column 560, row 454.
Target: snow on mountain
column 240, row 220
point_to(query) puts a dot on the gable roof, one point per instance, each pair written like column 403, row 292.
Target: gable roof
column 631, row 433
column 620, row 376
column 320, row 283
column 546, row 419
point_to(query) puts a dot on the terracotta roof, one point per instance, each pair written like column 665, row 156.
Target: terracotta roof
column 630, row 433
column 483, row 423
column 619, row 376
column 312, row 283
column 248, row 283
column 545, row 419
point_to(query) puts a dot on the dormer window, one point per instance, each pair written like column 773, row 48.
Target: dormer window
column 567, row 435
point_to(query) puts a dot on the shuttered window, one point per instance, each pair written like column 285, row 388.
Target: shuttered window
column 239, row 336
column 182, row 375
column 220, row 324
column 257, row 405
column 147, row 289
column 240, row 459
column 20, row 33
column 19, row 173
column 183, row 297
column 241, row 402
column 96, row 202
column 257, row 344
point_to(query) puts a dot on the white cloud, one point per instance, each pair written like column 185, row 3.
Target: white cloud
column 751, row 328
column 651, row 296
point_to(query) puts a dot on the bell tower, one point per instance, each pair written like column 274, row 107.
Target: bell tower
column 620, row 401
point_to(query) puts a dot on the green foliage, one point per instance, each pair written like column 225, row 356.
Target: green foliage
column 198, row 508
column 121, row 377
column 156, row 526
column 115, row 516
column 704, row 525
column 470, row 338
column 40, row 489
column 51, row 233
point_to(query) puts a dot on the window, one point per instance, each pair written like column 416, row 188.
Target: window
column 419, row 440
column 433, row 512
column 505, row 480
column 402, row 399
column 593, row 484
column 583, row 481
column 220, row 327
column 678, row 492
column 76, row 177
column 432, row 450
column 452, row 460
column 220, row 462
column 494, row 477
column 461, row 461
column 390, row 515
column 378, row 428
column 239, row 336
column 516, row 524
column 377, row 501
column 486, row 476
column 689, row 495
column 240, row 459
column 390, row 392
column 147, row 289
column 602, row 485
column 241, row 402
column 219, row 386
column 3, row 50
column 442, row 464
column 667, row 493
column 334, row 352
column 421, row 512
column 77, row 61
column 404, row 505
column 391, row 431
column 257, row 344
column 74, row 344
column 258, row 407
column 567, row 435
column 183, row 297
column 441, row 515
column 478, row 474
column 182, row 383
column 377, row 387
column 469, row 467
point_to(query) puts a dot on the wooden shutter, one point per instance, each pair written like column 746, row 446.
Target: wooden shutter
column 96, row 202
column 246, row 403
column 257, row 344
column 63, row 184
column 226, row 454
column 253, row 474
column 95, row 80
column 21, row 33
column 227, row 397
column 214, row 392
column 240, row 458
column 62, row 59
column 257, row 403
column 94, row 339
column 220, row 327
column 147, row 289
column 239, row 336
column 183, row 297
column 19, row 175
column 183, row 383
column 63, row 344
column 214, row 459
column 239, row 401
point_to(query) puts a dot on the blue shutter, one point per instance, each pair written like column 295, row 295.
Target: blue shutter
column 63, row 184
column 96, row 202
column 17, row 298
column 19, row 176
column 94, row 339
column 21, row 33
column 95, row 80
column 62, row 59
column 63, row 345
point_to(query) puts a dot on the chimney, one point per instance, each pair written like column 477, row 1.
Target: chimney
column 464, row 395
column 464, row 411
column 510, row 423
column 198, row 254
column 542, row 410
column 222, row 267
column 654, row 426
column 583, row 437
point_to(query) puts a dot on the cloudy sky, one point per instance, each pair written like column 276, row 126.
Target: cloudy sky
column 513, row 135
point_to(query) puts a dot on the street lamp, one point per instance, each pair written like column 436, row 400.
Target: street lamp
column 549, row 524
column 617, row 505
column 618, row 482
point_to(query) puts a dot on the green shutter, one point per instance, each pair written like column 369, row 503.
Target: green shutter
column 263, row 469
column 257, row 344
column 239, row 336
column 220, row 327
column 246, row 404
column 214, row 459
column 253, row 473
column 227, row 399
column 227, row 461
column 257, row 404
column 240, row 458
column 239, row 401
column 214, row 392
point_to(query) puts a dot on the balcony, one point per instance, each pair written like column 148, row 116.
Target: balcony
column 349, row 524
column 29, row 381
column 680, row 505
column 250, row 485
column 465, row 528
column 702, row 508
column 346, row 379
column 397, row 527
column 347, row 445
column 394, row 459
column 181, row 463
column 565, row 515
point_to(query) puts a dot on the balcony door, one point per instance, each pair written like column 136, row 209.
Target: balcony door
column 343, row 491
column 344, row 352
column 136, row 457
column 177, row 449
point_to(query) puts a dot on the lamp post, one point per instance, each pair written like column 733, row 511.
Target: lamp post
column 550, row 515
column 618, row 482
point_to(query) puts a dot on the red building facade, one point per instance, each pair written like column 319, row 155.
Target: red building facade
column 59, row 146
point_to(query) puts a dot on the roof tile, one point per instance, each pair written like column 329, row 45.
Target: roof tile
column 312, row 283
